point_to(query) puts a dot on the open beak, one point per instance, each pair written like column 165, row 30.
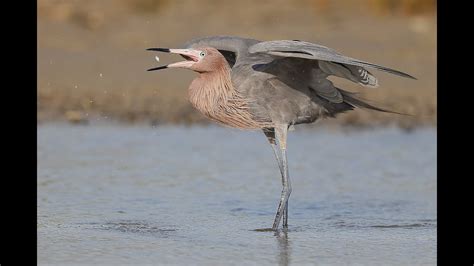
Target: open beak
column 191, row 56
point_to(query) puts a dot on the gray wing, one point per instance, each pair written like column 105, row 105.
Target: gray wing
column 303, row 75
column 330, row 61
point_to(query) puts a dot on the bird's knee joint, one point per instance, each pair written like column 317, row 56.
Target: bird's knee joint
column 283, row 145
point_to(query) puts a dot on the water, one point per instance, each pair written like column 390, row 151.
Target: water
column 111, row 194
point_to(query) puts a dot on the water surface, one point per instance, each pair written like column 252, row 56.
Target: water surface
column 202, row 195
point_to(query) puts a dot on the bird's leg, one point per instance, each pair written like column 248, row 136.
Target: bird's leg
column 281, row 135
column 270, row 134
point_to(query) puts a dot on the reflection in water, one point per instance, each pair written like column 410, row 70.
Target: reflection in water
column 283, row 247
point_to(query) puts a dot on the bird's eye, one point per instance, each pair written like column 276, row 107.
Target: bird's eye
column 202, row 54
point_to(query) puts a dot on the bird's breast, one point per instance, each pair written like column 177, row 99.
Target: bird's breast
column 220, row 102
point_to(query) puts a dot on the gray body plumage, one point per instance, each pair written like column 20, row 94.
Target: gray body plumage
column 286, row 81
column 271, row 86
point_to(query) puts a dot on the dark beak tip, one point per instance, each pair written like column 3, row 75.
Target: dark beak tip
column 166, row 50
column 157, row 68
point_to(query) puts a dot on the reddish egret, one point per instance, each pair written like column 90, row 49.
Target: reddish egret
column 270, row 86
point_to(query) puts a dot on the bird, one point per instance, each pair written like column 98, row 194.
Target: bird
column 271, row 86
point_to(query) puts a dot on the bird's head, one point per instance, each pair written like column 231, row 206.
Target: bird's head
column 202, row 59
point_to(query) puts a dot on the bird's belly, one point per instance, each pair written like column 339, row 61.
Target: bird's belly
column 235, row 117
column 280, row 103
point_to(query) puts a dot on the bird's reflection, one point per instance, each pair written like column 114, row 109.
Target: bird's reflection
column 284, row 248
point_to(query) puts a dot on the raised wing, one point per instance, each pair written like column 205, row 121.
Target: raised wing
column 330, row 61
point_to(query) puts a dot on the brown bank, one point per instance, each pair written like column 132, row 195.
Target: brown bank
column 92, row 60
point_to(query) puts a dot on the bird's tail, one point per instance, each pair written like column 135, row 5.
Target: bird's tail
column 349, row 97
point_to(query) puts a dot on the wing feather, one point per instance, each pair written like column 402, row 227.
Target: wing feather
column 300, row 49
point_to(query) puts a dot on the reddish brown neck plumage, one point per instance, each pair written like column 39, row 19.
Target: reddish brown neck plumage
column 210, row 89
column 213, row 94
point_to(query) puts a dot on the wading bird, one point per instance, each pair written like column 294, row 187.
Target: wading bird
column 270, row 86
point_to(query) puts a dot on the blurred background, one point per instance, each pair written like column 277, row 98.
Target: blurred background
column 92, row 60
column 140, row 186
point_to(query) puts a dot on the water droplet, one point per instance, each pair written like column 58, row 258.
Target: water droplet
column 75, row 86
column 157, row 59
column 100, row 75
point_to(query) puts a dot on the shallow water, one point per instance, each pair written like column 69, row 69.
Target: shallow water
column 203, row 195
